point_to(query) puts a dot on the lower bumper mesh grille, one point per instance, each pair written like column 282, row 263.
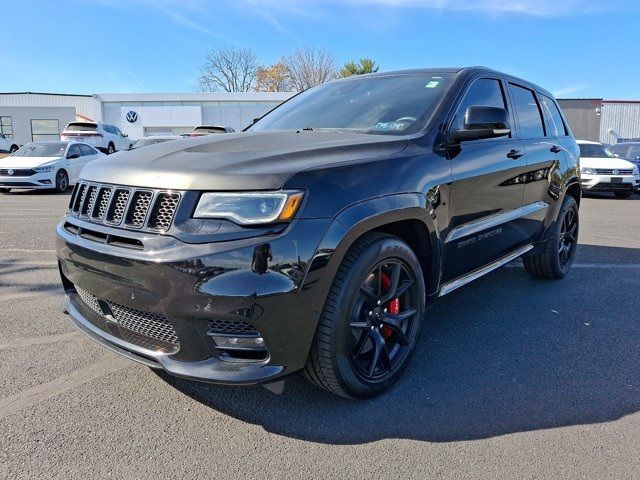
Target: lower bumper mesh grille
column 146, row 329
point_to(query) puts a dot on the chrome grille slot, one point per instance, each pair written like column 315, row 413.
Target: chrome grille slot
column 90, row 200
column 80, row 196
column 102, row 203
column 163, row 210
column 115, row 214
column 137, row 214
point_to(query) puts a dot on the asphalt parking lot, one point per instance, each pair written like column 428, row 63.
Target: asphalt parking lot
column 513, row 378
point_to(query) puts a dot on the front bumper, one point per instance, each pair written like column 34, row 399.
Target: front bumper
column 194, row 286
column 43, row 180
column 604, row 183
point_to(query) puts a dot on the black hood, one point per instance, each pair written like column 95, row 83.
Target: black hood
column 237, row 161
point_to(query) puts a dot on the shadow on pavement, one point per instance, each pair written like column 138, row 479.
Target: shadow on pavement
column 506, row 354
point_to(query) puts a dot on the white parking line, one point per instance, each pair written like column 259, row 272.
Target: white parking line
column 28, row 342
column 60, row 385
column 25, row 250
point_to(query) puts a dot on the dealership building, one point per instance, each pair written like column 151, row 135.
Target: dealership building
column 27, row 116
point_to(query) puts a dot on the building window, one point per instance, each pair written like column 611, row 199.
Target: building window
column 6, row 127
column 44, row 130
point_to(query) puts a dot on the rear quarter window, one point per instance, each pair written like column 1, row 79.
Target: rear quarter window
column 555, row 124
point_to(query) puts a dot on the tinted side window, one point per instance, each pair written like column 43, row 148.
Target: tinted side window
column 485, row 92
column 529, row 115
column 108, row 129
column 634, row 152
column 621, row 150
column 74, row 150
column 117, row 131
column 556, row 126
column 86, row 150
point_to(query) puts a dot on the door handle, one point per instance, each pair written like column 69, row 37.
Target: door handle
column 515, row 154
column 555, row 149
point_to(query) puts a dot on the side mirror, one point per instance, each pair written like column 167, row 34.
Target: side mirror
column 483, row 122
column 125, row 135
column 71, row 156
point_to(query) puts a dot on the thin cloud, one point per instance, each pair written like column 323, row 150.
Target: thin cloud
column 570, row 90
column 539, row 8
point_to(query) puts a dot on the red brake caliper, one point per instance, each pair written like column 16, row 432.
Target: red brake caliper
column 394, row 305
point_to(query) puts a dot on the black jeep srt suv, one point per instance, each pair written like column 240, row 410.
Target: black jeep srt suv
column 314, row 239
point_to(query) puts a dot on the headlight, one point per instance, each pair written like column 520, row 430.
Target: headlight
column 44, row 169
column 250, row 208
column 636, row 171
column 588, row 171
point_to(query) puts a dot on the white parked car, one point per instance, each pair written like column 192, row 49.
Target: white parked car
column 7, row 144
column 106, row 138
column 602, row 171
column 45, row 165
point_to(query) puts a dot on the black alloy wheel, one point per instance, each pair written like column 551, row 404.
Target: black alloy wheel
column 568, row 240
column 382, row 318
column 370, row 323
column 554, row 258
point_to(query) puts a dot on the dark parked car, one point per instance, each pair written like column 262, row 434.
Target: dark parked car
column 629, row 150
column 313, row 240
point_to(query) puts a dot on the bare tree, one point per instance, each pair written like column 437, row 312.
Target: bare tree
column 229, row 69
column 307, row 67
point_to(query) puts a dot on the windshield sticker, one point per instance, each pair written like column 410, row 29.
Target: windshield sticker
column 390, row 126
column 431, row 84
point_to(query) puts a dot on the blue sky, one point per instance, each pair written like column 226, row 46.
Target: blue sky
column 574, row 48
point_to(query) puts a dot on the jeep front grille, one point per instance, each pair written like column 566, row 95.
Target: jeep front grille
column 125, row 207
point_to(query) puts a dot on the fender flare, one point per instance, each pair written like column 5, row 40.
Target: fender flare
column 358, row 219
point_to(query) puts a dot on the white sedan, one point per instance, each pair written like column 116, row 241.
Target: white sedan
column 602, row 171
column 45, row 165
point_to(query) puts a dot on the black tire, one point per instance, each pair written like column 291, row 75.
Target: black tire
column 111, row 148
column 623, row 195
column 554, row 259
column 332, row 363
column 62, row 181
column 13, row 149
column 5, row 190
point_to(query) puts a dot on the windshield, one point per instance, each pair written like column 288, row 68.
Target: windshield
column 393, row 105
column 81, row 127
column 37, row 149
column 143, row 142
column 589, row 150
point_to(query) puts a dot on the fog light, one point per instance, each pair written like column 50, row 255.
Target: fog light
column 45, row 182
column 227, row 342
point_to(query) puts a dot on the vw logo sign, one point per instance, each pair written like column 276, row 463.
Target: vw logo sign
column 131, row 116
column 11, row 172
column 616, row 172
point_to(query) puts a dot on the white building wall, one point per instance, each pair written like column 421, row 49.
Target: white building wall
column 84, row 104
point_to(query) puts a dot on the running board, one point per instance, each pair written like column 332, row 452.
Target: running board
column 470, row 277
